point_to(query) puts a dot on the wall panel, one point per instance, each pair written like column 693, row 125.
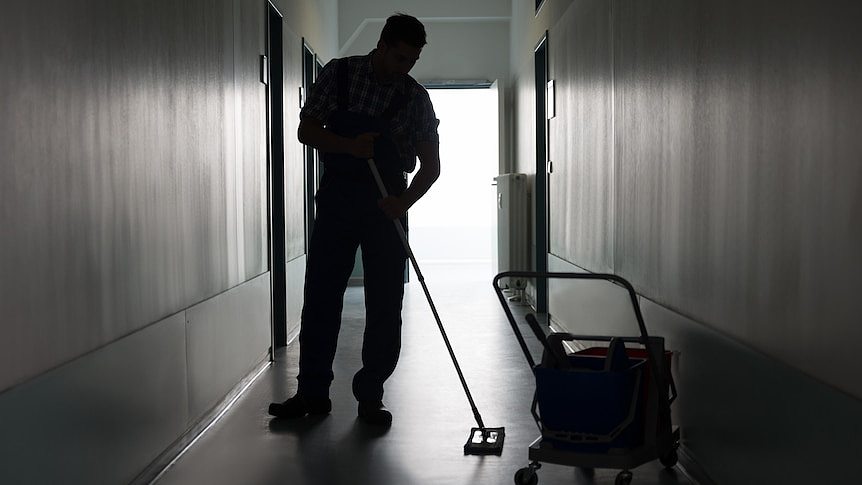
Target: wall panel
column 133, row 191
column 314, row 20
column 226, row 337
column 523, row 105
column 581, row 185
column 251, row 99
column 295, row 293
column 739, row 174
column 74, row 424
column 294, row 157
column 103, row 417
column 132, row 168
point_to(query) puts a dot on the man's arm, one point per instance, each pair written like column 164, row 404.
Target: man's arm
column 429, row 171
column 311, row 132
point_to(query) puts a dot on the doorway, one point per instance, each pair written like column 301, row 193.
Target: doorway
column 541, row 192
column 454, row 224
column 272, row 76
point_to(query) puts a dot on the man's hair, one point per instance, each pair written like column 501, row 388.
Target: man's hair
column 404, row 28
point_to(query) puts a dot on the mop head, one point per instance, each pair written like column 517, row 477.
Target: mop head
column 485, row 441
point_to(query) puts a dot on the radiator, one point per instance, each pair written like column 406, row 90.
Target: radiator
column 512, row 227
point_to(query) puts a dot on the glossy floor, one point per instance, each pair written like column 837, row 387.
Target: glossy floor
column 432, row 418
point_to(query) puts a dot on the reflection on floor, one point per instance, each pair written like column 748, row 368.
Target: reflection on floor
column 432, row 418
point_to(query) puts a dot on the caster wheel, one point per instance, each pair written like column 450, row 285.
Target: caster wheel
column 624, row 478
column 526, row 476
column 669, row 459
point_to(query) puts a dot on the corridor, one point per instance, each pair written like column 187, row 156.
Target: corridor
column 432, row 417
column 157, row 207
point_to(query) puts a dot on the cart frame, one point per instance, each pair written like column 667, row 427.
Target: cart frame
column 661, row 437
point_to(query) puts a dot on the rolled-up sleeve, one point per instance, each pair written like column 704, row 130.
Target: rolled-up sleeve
column 424, row 120
column 322, row 99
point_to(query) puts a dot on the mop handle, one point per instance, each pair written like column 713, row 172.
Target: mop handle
column 398, row 225
column 403, row 237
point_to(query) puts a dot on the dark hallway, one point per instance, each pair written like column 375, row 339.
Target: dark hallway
column 156, row 206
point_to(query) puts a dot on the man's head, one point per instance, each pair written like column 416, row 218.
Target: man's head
column 401, row 42
column 404, row 28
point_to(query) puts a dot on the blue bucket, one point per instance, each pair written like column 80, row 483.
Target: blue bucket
column 587, row 399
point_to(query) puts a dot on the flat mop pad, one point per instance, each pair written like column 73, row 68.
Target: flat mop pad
column 485, row 441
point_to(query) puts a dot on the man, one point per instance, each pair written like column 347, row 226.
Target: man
column 362, row 107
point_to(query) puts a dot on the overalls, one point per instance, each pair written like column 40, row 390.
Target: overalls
column 348, row 217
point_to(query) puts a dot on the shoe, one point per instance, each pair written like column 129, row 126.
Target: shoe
column 298, row 406
column 375, row 413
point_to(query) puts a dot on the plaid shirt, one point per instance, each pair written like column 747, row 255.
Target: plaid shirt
column 414, row 123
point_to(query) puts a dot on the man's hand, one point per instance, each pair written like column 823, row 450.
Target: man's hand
column 363, row 145
column 393, row 207
column 429, row 170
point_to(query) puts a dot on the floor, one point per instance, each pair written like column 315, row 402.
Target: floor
column 432, row 418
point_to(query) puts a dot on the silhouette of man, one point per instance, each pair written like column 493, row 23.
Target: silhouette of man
column 362, row 107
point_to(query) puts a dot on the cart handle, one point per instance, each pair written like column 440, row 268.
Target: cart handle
column 583, row 276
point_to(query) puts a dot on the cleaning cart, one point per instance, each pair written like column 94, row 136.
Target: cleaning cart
column 600, row 401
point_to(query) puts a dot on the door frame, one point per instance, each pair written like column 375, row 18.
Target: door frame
column 310, row 155
column 273, row 62
column 542, row 188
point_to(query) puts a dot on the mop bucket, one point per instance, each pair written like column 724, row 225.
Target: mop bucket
column 600, row 407
column 593, row 405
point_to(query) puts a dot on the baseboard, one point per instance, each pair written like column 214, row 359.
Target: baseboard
column 73, row 424
column 692, row 469
column 168, row 457
column 291, row 336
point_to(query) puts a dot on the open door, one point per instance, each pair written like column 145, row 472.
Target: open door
column 271, row 74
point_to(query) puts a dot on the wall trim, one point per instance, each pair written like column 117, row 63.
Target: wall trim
column 122, row 380
column 173, row 453
column 692, row 469
column 129, row 334
column 292, row 335
column 177, row 449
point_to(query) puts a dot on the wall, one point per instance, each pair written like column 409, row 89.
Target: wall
column 353, row 14
column 315, row 21
column 103, row 417
column 707, row 152
column 466, row 40
column 135, row 171
column 528, row 27
column 739, row 198
column 134, row 283
column 310, row 21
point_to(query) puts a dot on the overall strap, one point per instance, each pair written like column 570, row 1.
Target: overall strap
column 343, row 85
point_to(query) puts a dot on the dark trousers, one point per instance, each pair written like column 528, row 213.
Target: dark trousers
column 348, row 218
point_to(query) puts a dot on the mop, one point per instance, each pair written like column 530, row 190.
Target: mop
column 482, row 440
